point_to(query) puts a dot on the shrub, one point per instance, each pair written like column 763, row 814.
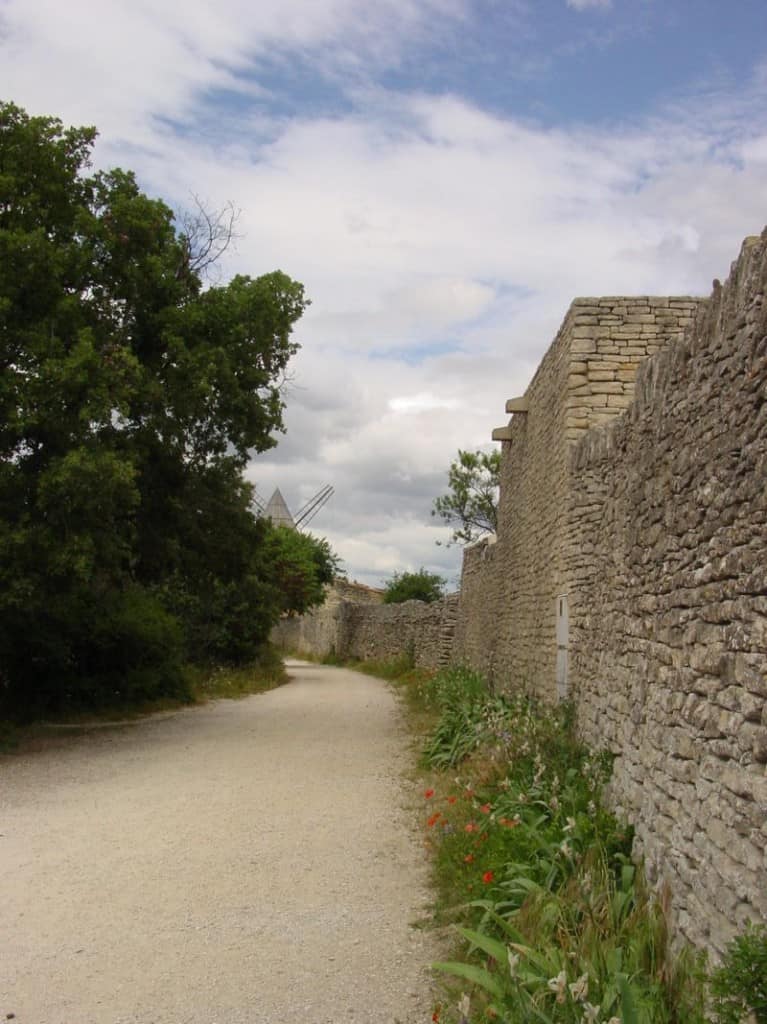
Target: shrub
column 414, row 586
column 739, row 984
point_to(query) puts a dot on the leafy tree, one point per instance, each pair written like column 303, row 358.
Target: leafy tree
column 131, row 398
column 471, row 504
column 303, row 566
column 414, row 586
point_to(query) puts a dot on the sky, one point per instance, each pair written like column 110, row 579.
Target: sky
column 443, row 176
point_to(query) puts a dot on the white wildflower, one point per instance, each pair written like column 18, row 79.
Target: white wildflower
column 570, row 825
column 590, row 1013
column 464, row 1005
column 554, row 804
column 558, row 985
column 513, row 963
column 566, row 849
column 615, row 1020
column 592, row 808
column 580, row 988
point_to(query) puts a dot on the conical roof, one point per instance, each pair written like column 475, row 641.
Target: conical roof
column 278, row 511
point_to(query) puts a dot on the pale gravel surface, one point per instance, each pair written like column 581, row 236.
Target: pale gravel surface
column 245, row 862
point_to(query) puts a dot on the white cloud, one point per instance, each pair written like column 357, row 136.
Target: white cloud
column 440, row 244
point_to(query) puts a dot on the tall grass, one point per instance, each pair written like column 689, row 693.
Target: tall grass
column 556, row 923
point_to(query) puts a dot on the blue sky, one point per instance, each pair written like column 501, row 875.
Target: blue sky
column 444, row 176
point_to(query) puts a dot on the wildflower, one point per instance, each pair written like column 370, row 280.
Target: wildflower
column 468, row 859
column 570, row 825
column 614, row 1020
column 452, row 799
column 566, row 849
column 590, row 1013
column 429, row 794
column 504, row 783
column 509, row 822
column 522, row 798
column 558, row 985
column 592, row 809
column 485, row 808
column 433, row 819
column 580, row 988
column 513, row 963
column 554, row 804
column 464, row 1007
column 435, row 1015
column 488, row 877
column 470, row 827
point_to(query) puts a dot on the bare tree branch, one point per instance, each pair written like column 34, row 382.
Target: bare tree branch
column 206, row 235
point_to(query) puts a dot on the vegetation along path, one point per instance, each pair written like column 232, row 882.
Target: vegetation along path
column 247, row 861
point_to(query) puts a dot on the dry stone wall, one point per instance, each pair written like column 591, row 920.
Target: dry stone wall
column 668, row 575
column 353, row 624
column 507, row 618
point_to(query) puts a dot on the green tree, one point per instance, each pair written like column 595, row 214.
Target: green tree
column 131, row 398
column 471, row 504
column 414, row 586
column 302, row 566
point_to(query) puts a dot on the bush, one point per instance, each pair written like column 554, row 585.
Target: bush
column 739, row 984
column 414, row 586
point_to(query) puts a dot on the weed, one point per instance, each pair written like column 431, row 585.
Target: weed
column 557, row 923
column 739, row 984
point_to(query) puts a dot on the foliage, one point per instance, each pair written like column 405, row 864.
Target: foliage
column 557, row 923
column 130, row 401
column 303, row 566
column 414, row 586
column 471, row 504
column 739, row 984
column 265, row 672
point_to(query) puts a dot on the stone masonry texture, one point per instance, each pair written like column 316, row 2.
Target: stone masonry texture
column 666, row 560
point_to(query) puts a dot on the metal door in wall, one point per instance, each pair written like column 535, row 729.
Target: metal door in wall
column 563, row 643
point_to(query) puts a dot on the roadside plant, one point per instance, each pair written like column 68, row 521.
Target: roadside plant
column 557, row 924
column 739, row 984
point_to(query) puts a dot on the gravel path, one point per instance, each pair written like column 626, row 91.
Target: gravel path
column 245, row 862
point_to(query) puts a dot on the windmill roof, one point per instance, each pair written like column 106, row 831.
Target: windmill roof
column 278, row 511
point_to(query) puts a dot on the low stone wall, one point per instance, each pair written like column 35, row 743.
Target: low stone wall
column 669, row 608
column 373, row 631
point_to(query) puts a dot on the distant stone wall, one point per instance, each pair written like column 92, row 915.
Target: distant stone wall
column 355, row 624
column 507, row 619
column 667, row 559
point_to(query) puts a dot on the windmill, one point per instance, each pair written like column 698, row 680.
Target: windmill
column 277, row 510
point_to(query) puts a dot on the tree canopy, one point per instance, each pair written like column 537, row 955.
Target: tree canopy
column 471, row 504
column 414, row 586
column 131, row 398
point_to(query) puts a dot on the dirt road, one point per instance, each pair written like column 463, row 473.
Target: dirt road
column 244, row 862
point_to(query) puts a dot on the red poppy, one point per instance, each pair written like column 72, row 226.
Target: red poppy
column 485, row 808
column 452, row 799
column 468, row 858
column 471, row 827
column 429, row 794
column 433, row 819
column 435, row 1016
column 488, row 877
column 509, row 822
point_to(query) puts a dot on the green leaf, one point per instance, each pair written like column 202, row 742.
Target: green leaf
column 476, row 975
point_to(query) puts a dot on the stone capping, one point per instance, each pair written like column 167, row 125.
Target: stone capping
column 518, row 405
column 502, row 433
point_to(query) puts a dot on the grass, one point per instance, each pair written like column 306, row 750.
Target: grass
column 551, row 919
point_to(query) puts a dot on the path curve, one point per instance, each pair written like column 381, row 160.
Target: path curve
column 245, row 862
